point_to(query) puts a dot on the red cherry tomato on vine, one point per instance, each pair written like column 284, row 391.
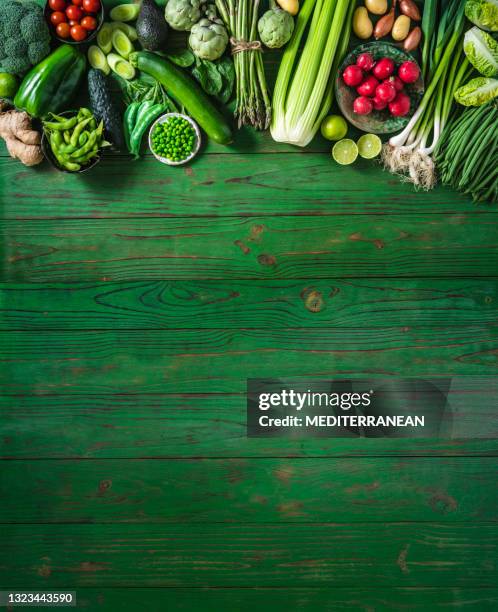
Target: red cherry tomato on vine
column 91, row 6
column 74, row 12
column 57, row 5
column 78, row 33
column 89, row 23
column 63, row 30
column 57, row 17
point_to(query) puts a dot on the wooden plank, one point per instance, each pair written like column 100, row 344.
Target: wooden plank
column 220, row 361
column 198, row 426
column 217, row 185
column 262, row 304
column 249, row 490
column 288, row 599
column 250, row 249
column 345, row 555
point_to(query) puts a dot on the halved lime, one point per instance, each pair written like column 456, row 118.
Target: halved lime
column 8, row 85
column 334, row 127
column 345, row 152
column 122, row 43
column 104, row 38
column 369, row 146
column 120, row 66
column 97, row 59
column 129, row 30
column 125, row 12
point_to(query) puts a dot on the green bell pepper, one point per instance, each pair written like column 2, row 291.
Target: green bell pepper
column 51, row 86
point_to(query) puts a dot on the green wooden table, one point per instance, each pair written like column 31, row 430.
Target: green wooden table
column 136, row 301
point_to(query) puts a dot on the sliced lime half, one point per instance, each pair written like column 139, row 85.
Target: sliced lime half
column 345, row 152
column 369, row 146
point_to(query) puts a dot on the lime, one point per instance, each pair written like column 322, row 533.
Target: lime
column 334, row 127
column 369, row 146
column 8, row 85
column 345, row 151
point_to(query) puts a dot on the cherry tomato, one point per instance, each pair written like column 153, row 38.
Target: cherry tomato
column 91, row 6
column 78, row 33
column 72, row 22
column 63, row 30
column 57, row 5
column 89, row 23
column 74, row 12
column 57, row 17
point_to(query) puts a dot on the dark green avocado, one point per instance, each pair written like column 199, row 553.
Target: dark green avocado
column 152, row 28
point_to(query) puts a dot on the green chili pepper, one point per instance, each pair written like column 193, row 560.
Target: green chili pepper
column 129, row 120
column 141, row 126
column 68, row 124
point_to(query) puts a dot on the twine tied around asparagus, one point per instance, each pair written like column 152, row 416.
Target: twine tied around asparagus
column 242, row 45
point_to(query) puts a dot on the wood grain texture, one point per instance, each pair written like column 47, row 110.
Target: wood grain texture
column 341, row 554
column 289, row 599
column 249, row 490
column 234, row 184
column 121, row 426
column 220, row 361
column 250, row 249
column 263, row 304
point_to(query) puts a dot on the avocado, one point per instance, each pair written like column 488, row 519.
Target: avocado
column 152, row 28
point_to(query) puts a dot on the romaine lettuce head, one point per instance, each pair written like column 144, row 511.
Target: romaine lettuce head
column 483, row 13
column 481, row 50
column 477, row 91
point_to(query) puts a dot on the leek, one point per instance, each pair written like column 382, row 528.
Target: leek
column 445, row 68
column 304, row 88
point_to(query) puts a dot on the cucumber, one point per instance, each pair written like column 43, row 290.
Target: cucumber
column 122, row 43
column 125, row 12
column 186, row 91
column 121, row 67
column 98, row 60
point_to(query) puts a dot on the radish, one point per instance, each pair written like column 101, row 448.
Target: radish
column 365, row 61
column 409, row 72
column 397, row 82
column 352, row 76
column 386, row 92
column 379, row 104
column 363, row 106
column 400, row 106
column 384, row 68
column 368, row 87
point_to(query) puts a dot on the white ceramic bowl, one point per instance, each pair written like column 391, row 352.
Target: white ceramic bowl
column 197, row 145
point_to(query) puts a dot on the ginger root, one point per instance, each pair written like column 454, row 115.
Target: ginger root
column 23, row 143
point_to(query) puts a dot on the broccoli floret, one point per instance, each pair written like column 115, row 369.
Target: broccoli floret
column 25, row 36
column 37, row 51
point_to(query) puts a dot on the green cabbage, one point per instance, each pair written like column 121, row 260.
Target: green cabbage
column 477, row 91
column 481, row 50
column 483, row 13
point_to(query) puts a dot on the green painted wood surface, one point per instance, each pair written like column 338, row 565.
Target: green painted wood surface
column 134, row 303
column 249, row 490
column 205, row 425
column 327, row 554
column 231, row 248
column 290, row 598
column 263, row 304
column 220, row 361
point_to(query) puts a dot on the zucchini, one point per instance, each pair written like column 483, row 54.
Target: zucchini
column 187, row 92
column 103, row 107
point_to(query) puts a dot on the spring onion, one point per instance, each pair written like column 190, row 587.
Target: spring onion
column 304, row 88
column 445, row 68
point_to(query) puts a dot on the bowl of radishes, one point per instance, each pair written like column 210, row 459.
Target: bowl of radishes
column 379, row 87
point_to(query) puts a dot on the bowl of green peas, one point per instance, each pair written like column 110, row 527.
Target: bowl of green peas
column 174, row 139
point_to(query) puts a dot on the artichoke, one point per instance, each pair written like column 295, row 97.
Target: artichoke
column 183, row 14
column 208, row 39
column 275, row 28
